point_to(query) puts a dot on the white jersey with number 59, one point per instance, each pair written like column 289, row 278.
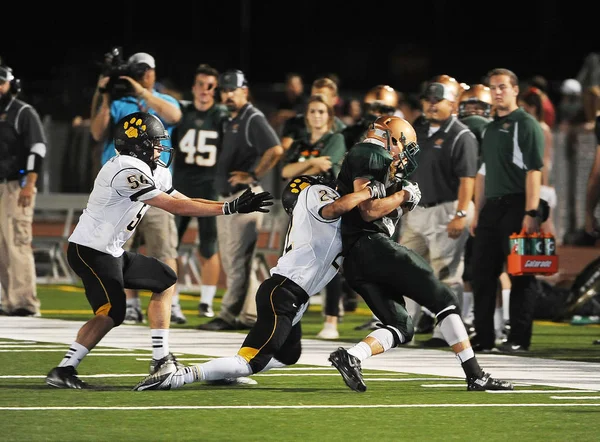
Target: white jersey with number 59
column 313, row 245
column 116, row 205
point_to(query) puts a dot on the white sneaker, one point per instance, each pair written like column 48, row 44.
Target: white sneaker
column 133, row 315
column 177, row 315
column 328, row 333
column 205, row 310
column 160, row 379
column 233, row 381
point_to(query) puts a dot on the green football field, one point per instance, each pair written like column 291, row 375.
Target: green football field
column 303, row 402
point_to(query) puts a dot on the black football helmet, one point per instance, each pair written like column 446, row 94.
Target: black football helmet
column 139, row 134
column 290, row 193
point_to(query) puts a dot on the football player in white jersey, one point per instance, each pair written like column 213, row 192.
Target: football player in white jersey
column 311, row 258
column 123, row 190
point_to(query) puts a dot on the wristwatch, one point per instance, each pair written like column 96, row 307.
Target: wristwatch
column 461, row 213
column 532, row 213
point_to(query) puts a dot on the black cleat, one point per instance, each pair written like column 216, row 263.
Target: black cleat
column 349, row 368
column 65, row 377
column 487, row 382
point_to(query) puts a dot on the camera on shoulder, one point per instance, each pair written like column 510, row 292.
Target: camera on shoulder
column 114, row 66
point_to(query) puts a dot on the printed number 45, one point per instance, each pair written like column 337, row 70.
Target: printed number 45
column 197, row 149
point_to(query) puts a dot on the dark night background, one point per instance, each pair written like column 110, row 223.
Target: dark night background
column 54, row 51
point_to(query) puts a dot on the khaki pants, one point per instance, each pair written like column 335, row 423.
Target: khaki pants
column 237, row 235
column 17, row 265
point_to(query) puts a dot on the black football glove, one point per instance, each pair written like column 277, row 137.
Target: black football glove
column 248, row 202
column 377, row 189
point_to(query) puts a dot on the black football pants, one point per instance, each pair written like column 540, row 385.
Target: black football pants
column 499, row 218
column 383, row 272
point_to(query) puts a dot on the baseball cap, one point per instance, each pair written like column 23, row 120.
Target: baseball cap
column 142, row 57
column 232, row 80
column 440, row 91
column 570, row 87
column 6, row 74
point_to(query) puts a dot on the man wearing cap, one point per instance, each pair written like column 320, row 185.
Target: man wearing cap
column 22, row 151
column 157, row 229
column 250, row 148
column 438, row 227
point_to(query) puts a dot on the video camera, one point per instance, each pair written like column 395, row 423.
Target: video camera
column 115, row 66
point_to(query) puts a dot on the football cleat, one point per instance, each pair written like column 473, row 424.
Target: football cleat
column 133, row 315
column 156, row 363
column 161, row 377
column 349, row 368
column 65, row 377
column 487, row 382
column 177, row 316
column 205, row 310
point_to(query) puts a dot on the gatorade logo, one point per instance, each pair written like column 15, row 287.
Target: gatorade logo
column 538, row 263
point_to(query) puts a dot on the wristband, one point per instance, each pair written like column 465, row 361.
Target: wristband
column 532, row 213
column 253, row 176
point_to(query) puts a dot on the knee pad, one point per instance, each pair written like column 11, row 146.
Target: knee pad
column 451, row 309
column 402, row 335
column 207, row 249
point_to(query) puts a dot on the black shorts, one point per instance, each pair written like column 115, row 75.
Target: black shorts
column 105, row 277
column 278, row 300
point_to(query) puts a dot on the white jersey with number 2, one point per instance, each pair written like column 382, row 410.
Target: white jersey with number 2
column 313, row 245
column 116, row 205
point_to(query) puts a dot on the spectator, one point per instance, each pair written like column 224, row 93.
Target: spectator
column 541, row 83
column 295, row 128
column 123, row 190
column 410, row 107
column 312, row 257
column 437, row 229
column 352, row 111
column 589, row 78
column 532, row 102
column 319, row 154
column 22, row 148
column 292, row 103
column 592, row 199
column 250, row 149
column 157, row 230
column 383, row 271
column 197, row 141
column 570, row 107
column 507, row 200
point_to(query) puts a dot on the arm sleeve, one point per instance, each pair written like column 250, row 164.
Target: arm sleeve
column 464, row 155
column 531, row 141
column 261, row 135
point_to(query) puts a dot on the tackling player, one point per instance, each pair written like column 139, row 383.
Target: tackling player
column 311, row 258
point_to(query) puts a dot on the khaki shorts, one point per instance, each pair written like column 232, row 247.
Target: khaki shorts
column 157, row 232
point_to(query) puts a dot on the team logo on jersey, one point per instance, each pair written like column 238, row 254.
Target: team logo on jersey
column 438, row 143
column 297, row 185
column 132, row 127
column 506, row 125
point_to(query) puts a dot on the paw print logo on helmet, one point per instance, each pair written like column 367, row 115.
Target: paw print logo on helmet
column 289, row 196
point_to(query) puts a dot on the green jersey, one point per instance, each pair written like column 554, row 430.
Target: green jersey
column 511, row 146
column 372, row 162
column 197, row 142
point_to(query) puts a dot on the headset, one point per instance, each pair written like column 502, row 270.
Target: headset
column 6, row 74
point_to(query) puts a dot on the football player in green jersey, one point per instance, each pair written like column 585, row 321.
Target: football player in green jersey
column 197, row 141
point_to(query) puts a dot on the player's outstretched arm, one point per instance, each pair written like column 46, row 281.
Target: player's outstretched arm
column 346, row 203
column 245, row 203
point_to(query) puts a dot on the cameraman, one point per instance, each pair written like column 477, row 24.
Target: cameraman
column 113, row 100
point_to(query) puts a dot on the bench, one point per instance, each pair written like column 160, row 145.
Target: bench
column 53, row 223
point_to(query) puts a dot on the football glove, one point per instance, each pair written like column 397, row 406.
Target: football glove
column 377, row 189
column 248, row 202
column 414, row 192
